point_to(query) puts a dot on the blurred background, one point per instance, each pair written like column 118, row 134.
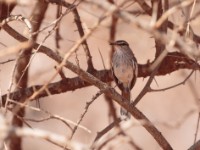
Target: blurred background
column 174, row 112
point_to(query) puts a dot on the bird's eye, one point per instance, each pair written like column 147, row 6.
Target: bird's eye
column 123, row 44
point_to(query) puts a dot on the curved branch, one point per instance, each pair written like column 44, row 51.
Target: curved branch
column 172, row 62
column 78, row 23
column 117, row 97
column 5, row 9
column 90, row 79
column 148, row 10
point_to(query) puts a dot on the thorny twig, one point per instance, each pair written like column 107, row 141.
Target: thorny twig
column 112, row 34
column 178, row 84
column 147, row 86
column 50, row 116
column 97, row 144
column 89, row 78
column 197, row 128
column 83, row 74
column 85, row 111
column 57, row 35
column 105, row 130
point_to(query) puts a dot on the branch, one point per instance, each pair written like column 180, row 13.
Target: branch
column 195, row 146
column 105, row 130
column 170, row 25
column 80, row 30
column 88, row 104
column 111, row 93
column 172, row 62
column 112, row 36
column 22, row 65
column 8, row 131
column 6, row 9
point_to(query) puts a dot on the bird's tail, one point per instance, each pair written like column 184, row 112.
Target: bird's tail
column 124, row 113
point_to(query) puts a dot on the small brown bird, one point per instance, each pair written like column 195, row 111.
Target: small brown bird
column 125, row 70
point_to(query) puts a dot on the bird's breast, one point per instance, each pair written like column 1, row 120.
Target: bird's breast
column 123, row 72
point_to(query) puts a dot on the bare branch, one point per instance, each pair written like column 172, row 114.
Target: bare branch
column 169, row 64
column 181, row 40
column 85, row 111
column 195, row 146
column 106, row 130
column 183, row 82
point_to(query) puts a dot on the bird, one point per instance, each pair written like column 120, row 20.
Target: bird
column 124, row 70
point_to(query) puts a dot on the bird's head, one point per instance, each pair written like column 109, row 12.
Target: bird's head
column 119, row 44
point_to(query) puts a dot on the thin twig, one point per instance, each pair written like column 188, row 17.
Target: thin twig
column 105, row 130
column 173, row 86
column 197, row 128
column 85, row 111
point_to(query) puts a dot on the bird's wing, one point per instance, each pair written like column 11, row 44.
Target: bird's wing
column 119, row 84
column 135, row 70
